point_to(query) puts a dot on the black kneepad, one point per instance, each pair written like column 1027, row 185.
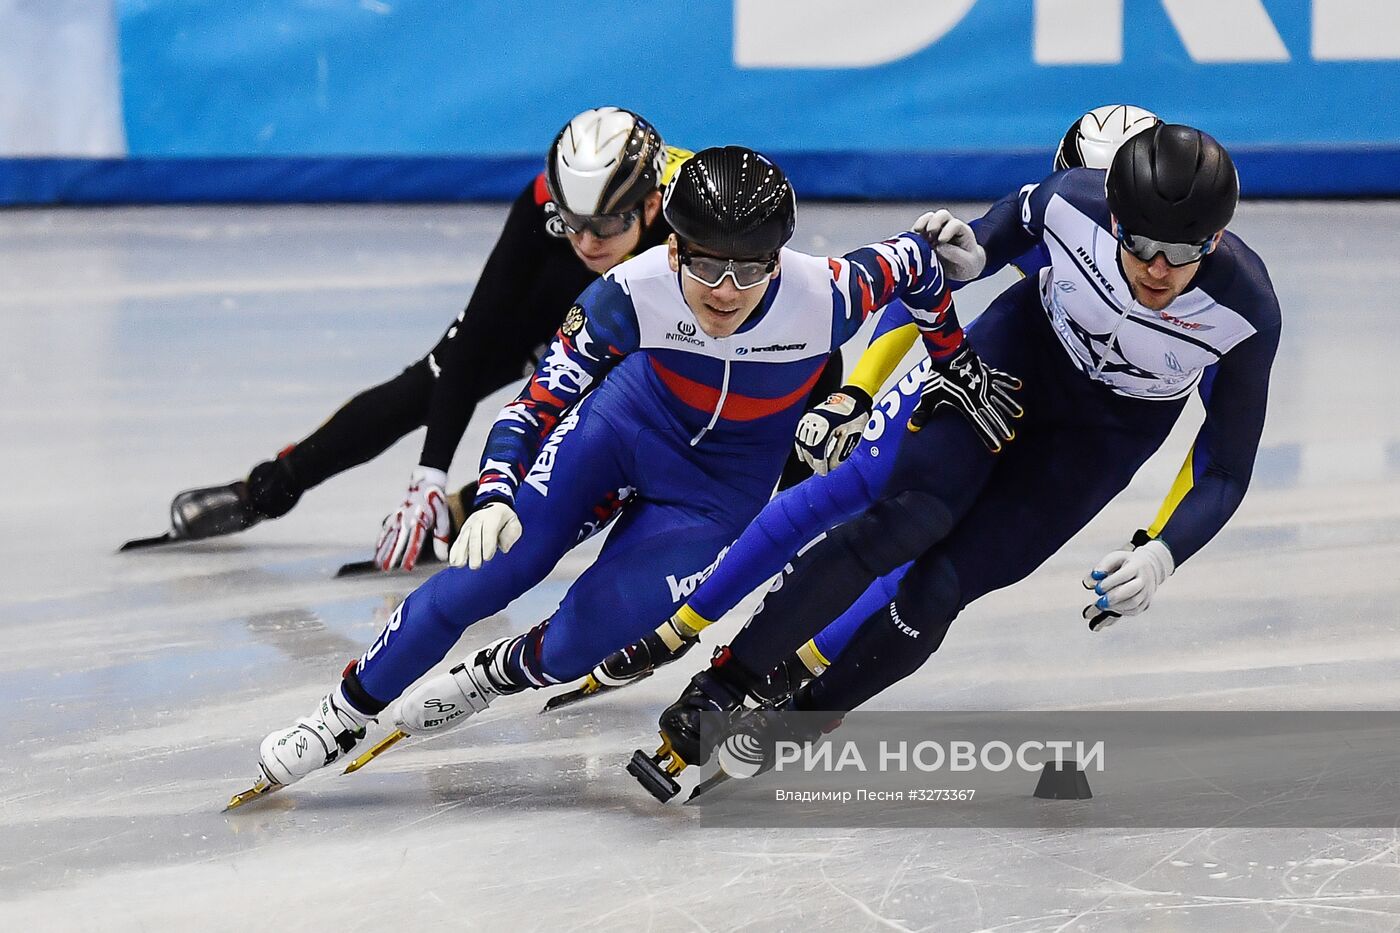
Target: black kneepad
column 897, row 530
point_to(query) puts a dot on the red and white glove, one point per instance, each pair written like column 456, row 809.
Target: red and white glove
column 1126, row 581
column 423, row 517
column 828, row 433
column 962, row 257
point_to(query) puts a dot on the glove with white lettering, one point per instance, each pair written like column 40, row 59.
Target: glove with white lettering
column 1126, row 580
column 978, row 392
column 422, row 517
column 491, row 527
column 828, row 433
column 961, row 256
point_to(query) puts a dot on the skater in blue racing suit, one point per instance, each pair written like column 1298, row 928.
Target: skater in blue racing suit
column 703, row 353
column 826, row 436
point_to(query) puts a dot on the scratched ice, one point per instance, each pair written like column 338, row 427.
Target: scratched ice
column 147, row 350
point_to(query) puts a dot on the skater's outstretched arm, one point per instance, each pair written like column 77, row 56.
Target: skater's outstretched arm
column 596, row 334
column 903, row 268
column 1217, row 471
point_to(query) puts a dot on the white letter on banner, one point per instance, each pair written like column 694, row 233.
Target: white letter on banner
column 1078, row 32
column 1226, row 30
column 838, row 33
column 1090, row 32
column 60, row 84
column 1355, row 30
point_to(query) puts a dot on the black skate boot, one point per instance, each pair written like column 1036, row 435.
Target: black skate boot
column 212, row 511
column 689, row 729
column 784, row 680
column 270, row 491
column 749, row 748
column 629, row 665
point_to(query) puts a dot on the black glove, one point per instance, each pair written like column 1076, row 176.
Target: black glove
column 979, row 393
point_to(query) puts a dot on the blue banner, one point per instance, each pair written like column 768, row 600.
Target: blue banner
column 322, row 99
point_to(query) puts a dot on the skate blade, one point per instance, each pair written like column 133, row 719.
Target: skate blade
column 591, row 687
column 379, row 748
column 137, row 544
column 707, row 785
column 357, row 568
column 365, row 568
column 263, row 788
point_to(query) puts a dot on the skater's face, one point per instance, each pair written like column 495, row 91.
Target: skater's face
column 601, row 253
column 1157, row 283
column 721, row 309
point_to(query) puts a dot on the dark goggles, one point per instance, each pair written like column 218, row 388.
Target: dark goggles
column 1176, row 254
column 710, row 271
column 602, row 226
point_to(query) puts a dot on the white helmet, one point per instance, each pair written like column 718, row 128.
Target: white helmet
column 604, row 161
column 1092, row 140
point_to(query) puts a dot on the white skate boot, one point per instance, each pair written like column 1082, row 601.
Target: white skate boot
column 288, row 755
column 447, row 700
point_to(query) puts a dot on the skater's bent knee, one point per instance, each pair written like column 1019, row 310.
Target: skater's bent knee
column 897, row 530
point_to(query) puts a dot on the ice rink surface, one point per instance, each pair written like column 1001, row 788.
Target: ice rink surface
column 148, row 350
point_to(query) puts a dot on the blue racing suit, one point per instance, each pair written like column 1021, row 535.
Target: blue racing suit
column 695, row 428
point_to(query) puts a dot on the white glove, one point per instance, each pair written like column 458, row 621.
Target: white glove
column 492, row 526
column 1126, row 581
column 422, row 517
column 963, row 258
column 828, row 433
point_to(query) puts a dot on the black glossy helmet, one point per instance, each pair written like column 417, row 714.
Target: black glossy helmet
column 732, row 202
column 1173, row 183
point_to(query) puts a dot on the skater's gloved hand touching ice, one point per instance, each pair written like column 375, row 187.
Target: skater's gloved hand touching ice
column 955, row 243
column 828, row 433
column 1126, row 581
column 422, row 517
column 490, row 527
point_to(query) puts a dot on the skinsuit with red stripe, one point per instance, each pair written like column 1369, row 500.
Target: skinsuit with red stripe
column 697, row 428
